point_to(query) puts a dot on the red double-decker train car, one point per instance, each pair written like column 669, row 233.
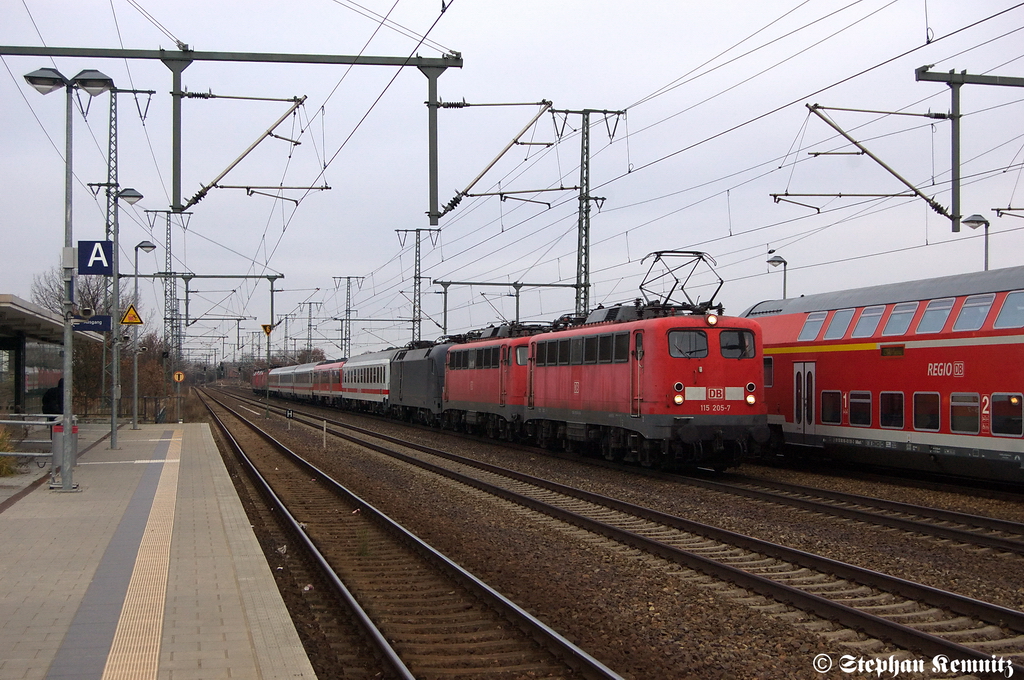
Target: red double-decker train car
column 925, row 375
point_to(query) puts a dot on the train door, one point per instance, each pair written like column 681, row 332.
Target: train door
column 636, row 373
column 504, row 365
column 531, row 366
column 803, row 400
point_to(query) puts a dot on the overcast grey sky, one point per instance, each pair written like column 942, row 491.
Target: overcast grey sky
column 716, row 122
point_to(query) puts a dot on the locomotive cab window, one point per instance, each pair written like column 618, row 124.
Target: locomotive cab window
column 965, row 413
column 900, row 318
column 688, row 344
column 1008, row 415
column 522, row 352
column 935, row 314
column 868, row 322
column 812, row 326
column 832, row 407
column 1012, row 313
column 769, row 371
column 738, row 344
column 839, row 324
column 974, row 312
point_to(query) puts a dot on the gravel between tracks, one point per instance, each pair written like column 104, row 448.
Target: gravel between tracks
column 640, row 616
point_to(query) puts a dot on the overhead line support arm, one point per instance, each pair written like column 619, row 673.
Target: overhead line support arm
column 815, row 109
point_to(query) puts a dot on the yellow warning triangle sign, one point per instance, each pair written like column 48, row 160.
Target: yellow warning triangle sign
column 131, row 317
column 267, row 328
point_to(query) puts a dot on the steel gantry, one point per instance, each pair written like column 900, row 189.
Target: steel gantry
column 178, row 61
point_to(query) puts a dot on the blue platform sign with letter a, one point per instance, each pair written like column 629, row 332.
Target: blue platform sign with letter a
column 96, row 258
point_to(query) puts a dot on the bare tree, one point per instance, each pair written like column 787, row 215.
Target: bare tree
column 90, row 291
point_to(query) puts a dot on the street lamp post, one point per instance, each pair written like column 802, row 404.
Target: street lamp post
column 131, row 197
column 775, row 261
column 45, row 81
column 975, row 221
column 147, row 246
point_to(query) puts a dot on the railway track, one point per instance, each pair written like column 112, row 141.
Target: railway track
column 910, row 615
column 425, row 615
column 959, row 528
column 984, row 532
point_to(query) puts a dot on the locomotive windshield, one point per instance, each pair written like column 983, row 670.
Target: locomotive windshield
column 688, row 344
column 693, row 344
column 737, row 344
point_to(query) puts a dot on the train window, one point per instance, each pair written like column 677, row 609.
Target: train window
column 926, row 411
column 590, row 350
column 688, row 344
column 1012, row 313
column 737, row 344
column 935, row 314
column 577, row 350
column 890, row 410
column 605, row 348
column 522, row 352
column 812, row 326
column 832, row 407
column 900, row 318
column 1008, row 415
column 868, row 322
column 563, row 352
column 860, row 409
column 541, row 351
column 974, row 312
column 839, row 324
column 769, row 371
column 621, row 348
column 965, row 413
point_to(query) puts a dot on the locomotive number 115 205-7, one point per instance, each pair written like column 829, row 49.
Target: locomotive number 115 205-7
column 715, row 408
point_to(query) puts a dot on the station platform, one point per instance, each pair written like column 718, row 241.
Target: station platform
column 150, row 569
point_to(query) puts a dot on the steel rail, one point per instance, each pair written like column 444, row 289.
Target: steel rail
column 569, row 653
column 876, row 626
column 389, row 655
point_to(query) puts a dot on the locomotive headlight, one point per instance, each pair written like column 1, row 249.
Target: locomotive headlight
column 751, row 399
column 678, row 399
column 711, row 319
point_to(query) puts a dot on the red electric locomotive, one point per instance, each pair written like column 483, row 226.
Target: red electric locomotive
column 925, row 375
column 659, row 383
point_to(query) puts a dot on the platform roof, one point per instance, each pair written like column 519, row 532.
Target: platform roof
column 19, row 317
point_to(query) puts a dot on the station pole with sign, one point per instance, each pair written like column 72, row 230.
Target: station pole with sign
column 267, row 328
column 179, row 376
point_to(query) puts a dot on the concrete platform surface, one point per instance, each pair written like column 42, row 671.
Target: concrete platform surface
column 149, row 570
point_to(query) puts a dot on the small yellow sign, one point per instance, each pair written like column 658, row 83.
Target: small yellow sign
column 267, row 327
column 179, row 376
column 131, row 317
